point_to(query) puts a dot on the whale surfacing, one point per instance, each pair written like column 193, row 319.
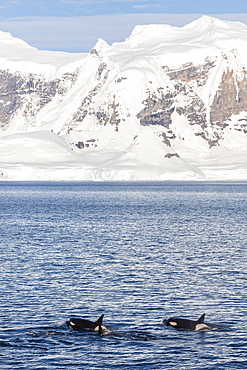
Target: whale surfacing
column 83, row 324
column 185, row 324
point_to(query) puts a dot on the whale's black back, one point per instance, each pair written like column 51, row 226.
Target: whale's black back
column 83, row 324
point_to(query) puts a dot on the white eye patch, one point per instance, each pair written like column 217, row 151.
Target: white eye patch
column 173, row 323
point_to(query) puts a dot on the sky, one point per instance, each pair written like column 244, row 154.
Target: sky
column 76, row 25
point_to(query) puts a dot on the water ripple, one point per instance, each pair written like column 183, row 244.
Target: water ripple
column 139, row 253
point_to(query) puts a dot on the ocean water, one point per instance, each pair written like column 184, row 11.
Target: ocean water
column 137, row 252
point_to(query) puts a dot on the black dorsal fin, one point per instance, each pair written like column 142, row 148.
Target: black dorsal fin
column 99, row 324
column 100, row 319
column 201, row 319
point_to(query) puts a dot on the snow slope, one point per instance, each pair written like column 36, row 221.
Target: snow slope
column 168, row 103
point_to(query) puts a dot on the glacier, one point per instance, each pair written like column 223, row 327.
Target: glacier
column 168, row 103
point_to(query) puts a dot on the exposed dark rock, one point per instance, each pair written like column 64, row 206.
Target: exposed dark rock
column 29, row 92
column 165, row 139
column 118, row 80
column 80, row 145
column 189, row 72
column 84, row 110
column 158, row 109
column 170, row 155
column 230, row 98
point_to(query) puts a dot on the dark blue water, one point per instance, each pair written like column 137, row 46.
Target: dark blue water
column 139, row 253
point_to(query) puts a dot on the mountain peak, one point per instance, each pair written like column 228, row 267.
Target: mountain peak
column 8, row 39
column 208, row 23
column 205, row 22
column 205, row 31
column 100, row 48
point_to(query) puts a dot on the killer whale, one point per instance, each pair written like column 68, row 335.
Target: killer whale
column 83, row 324
column 185, row 324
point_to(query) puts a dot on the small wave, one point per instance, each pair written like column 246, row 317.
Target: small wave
column 5, row 344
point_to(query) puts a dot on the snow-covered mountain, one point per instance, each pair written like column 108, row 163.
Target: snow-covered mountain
column 168, row 103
